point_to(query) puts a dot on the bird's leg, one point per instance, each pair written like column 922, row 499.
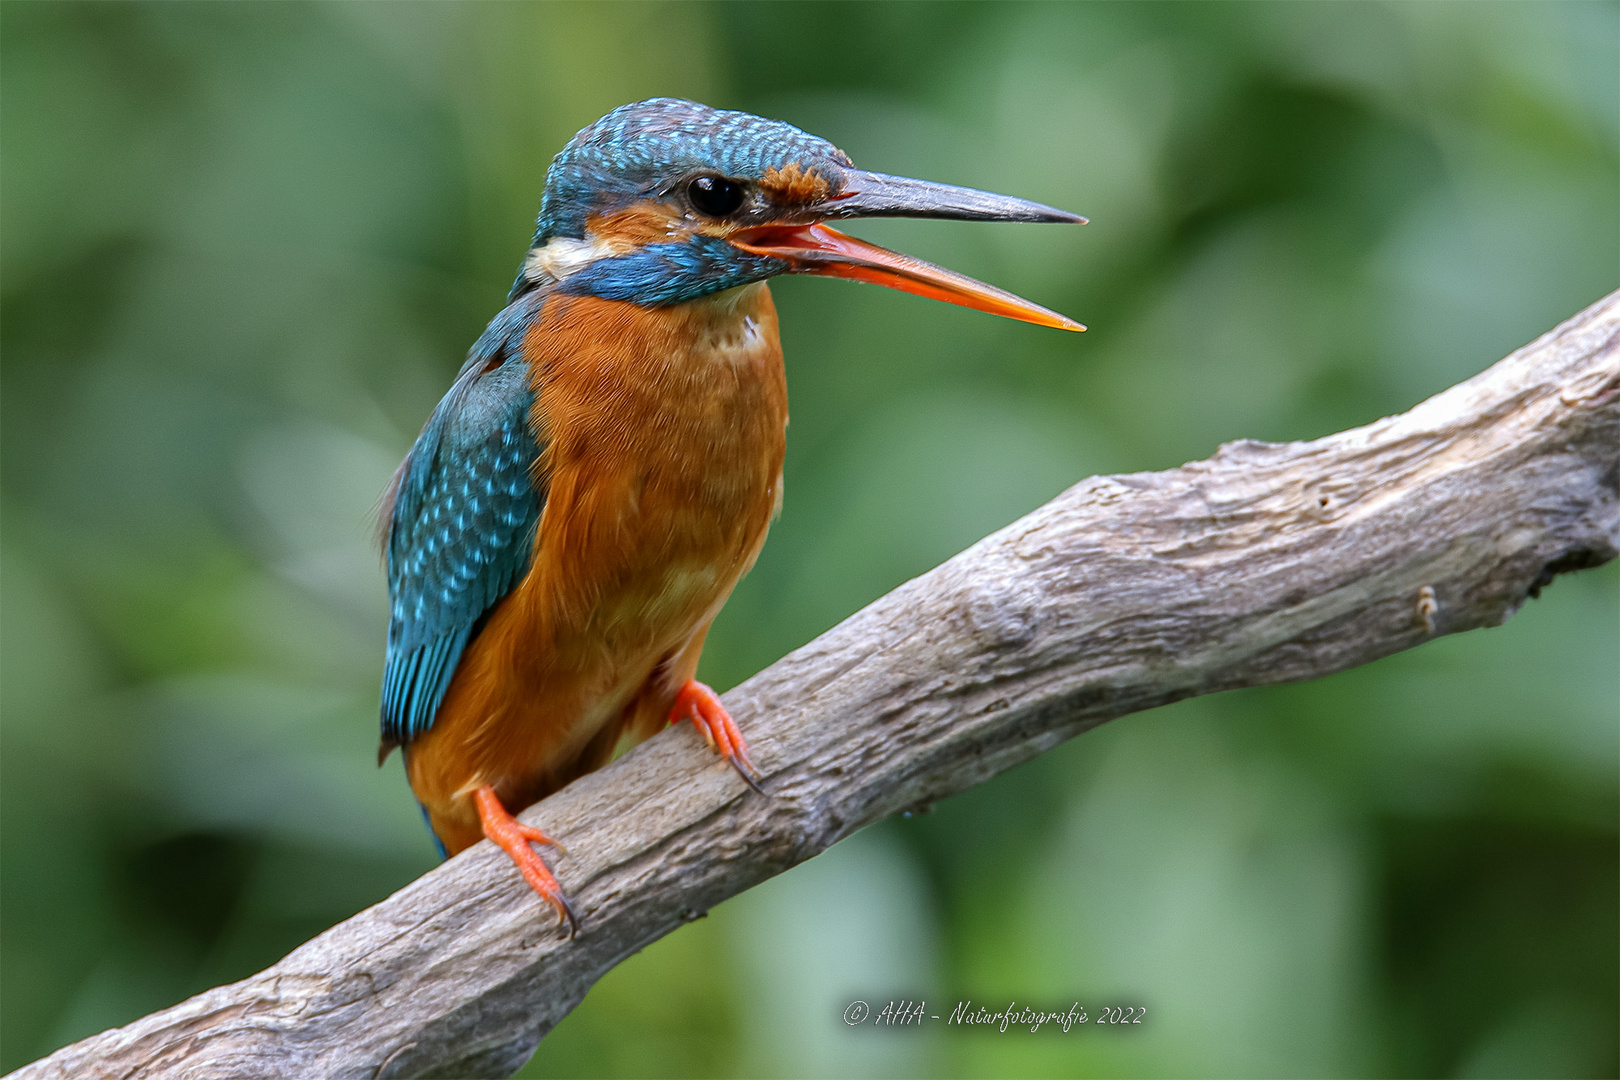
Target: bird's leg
column 514, row 838
column 701, row 705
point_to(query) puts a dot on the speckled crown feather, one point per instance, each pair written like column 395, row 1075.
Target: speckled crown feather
column 636, row 149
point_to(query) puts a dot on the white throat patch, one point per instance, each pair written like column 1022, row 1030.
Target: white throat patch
column 563, row 255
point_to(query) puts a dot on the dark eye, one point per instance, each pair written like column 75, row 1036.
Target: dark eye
column 715, row 195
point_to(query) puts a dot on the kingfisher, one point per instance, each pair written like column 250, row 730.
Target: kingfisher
column 604, row 468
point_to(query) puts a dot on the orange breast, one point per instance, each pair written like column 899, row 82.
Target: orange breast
column 664, row 433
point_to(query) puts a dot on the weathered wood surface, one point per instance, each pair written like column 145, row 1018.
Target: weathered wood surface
column 1266, row 563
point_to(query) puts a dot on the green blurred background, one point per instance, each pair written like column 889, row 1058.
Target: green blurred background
column 246, row 246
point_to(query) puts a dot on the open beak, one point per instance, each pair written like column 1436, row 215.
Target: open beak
column 818, row 249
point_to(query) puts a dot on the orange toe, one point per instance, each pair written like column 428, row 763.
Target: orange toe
column 514, row 838
column 702, row 706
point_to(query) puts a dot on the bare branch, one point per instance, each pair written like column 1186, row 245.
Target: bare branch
column 1266, row 563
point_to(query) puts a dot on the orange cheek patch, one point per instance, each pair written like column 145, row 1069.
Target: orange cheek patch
column 794, row 184
column 643, row 223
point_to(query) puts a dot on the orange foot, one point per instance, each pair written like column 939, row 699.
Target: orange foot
column 514, row 838
column 701, row 705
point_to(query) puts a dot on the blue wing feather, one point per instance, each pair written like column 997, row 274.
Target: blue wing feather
column 461, row 531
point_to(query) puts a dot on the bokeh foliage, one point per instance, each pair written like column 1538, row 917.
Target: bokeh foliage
column 245, row 247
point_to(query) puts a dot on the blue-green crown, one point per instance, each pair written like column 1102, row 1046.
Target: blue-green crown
column 637, row 151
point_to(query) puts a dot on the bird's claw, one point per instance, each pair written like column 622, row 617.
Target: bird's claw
column 514, row 838
column 701, row 705
column 534, row 835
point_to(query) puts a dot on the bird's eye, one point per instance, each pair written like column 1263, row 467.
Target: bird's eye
column 715, row 195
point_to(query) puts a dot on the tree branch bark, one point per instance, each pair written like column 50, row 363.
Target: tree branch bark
column 1266, row 563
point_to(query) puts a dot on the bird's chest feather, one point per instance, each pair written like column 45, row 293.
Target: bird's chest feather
column 664, row 433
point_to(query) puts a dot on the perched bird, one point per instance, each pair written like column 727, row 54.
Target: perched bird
column 604, row 469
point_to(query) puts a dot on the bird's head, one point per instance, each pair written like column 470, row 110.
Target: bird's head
column 665, row 201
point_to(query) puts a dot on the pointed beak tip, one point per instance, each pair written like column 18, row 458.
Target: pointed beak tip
column 872, row 194
column 820, row 249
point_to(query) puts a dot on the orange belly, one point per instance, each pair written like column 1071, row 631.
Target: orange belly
column 664, row 433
